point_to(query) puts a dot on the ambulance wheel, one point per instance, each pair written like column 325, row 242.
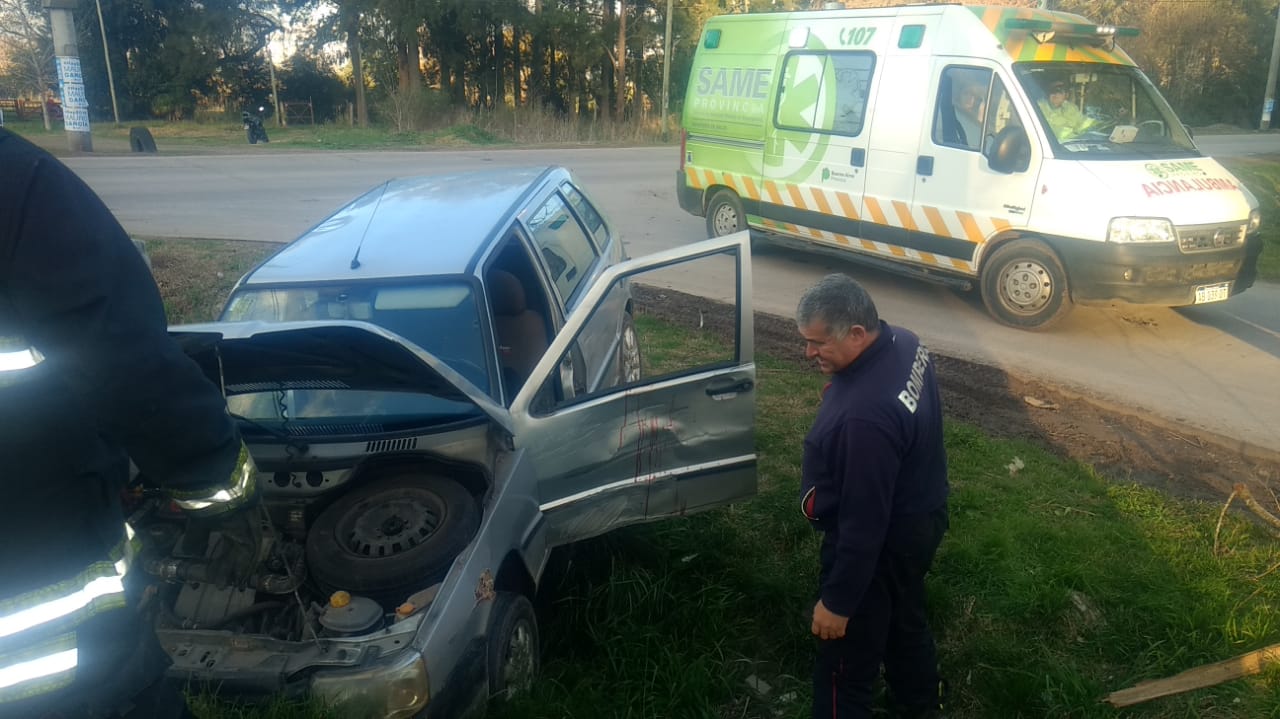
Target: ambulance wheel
column 1024, row 285
column 725, row 214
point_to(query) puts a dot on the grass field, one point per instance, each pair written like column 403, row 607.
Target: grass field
column 1054, row 586
column 1262, row 176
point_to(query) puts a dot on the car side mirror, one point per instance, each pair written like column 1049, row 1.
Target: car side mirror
column 1010, row 151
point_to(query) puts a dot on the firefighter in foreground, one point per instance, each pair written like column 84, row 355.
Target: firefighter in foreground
column 874, row 482
column 89, row 378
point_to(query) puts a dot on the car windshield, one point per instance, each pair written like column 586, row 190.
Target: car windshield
column 441, row 317
column 1097, row 111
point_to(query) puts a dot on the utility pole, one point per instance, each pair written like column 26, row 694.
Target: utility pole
column 666, row 70
column 106, row 57
column 275, row 101
column 1269, row 101
column 75, row 106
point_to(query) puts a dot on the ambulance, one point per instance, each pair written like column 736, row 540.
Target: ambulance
column 1017, row 150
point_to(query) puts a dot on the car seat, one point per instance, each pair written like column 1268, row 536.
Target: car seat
column 521, row 332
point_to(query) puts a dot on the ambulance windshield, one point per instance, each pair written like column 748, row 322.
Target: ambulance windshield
column 1096, row 111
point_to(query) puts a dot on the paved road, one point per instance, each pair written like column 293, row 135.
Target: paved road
column 1213, row 367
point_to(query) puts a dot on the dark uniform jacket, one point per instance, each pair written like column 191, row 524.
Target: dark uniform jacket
column 111, row 385
column 874, row 453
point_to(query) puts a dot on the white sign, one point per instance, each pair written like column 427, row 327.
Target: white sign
column 1271, row 105
column 73, row 96
column 76, row 119
column 69, row 70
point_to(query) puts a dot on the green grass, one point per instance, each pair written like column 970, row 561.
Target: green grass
column 1053, row 587
column 1262, row 176
column 669, row 620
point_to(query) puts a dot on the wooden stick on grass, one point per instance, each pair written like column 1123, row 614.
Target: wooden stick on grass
column 1197, row 678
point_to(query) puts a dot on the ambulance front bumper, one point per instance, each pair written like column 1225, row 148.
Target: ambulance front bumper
column 1158, row 274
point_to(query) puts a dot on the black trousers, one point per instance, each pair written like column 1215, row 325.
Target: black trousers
column 889, row 627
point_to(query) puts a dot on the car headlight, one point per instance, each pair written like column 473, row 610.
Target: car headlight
column 1140, row 229
column 393, row 688
column 1255, row 221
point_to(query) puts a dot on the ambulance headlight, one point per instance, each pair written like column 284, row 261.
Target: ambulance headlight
column 1255, row 221
column 1140, row 229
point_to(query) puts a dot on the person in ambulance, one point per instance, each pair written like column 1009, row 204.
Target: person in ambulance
column 1060, row 114
column 970, row 99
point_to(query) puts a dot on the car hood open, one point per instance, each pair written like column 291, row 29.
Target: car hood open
column 244, row 357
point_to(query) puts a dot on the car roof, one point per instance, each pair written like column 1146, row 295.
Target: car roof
column 408, row 227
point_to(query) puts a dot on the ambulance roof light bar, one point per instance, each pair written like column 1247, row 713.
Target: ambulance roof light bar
column 1046, row 31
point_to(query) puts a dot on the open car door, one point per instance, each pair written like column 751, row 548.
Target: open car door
column 676, row 436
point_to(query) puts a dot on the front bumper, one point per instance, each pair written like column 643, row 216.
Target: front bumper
column 1248, row 268
column 1146, row 274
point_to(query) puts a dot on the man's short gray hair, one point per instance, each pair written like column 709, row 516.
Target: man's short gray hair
column 840, row 302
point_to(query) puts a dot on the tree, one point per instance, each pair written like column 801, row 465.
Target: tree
column 26, row 46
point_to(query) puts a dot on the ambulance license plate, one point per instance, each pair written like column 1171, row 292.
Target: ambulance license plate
column 1213, row 293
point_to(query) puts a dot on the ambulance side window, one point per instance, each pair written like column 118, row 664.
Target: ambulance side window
column 1002, row 113
column 842, row 81
column 959, row 118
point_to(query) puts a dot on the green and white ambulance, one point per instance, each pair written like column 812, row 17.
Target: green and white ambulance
column 1016, row 149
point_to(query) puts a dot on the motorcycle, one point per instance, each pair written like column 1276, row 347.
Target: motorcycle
column 253, row 127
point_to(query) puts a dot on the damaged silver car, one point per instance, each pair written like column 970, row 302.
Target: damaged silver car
column 439, row 384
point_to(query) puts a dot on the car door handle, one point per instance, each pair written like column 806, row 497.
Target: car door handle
column 858, row 157
column 924, row 165
column 730, row 390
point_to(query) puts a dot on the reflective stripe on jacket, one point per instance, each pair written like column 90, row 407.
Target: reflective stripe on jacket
column 16, row 358
column 38, row 652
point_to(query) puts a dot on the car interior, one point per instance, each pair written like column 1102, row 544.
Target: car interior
column 521, row 314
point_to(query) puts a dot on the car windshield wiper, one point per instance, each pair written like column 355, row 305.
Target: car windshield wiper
column 290, row 442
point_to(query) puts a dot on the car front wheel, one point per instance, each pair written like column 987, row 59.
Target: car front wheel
column 512, row 646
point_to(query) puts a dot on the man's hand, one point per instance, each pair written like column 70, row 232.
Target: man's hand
column 827, row 624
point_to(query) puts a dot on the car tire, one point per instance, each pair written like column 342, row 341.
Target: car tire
column 511, row 646
column 630, row 363
column 1024, row 285
column 725, row 214
column 392, row 537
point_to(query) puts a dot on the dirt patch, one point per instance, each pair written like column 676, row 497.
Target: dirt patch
column 1178, row 460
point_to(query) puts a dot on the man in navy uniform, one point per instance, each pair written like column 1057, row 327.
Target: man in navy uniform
column 874, row 482
column 89, row 378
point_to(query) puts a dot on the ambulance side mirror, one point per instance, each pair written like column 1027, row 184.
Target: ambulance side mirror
column 1010, row 151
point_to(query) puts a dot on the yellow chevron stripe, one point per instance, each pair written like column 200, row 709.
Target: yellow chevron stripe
column 796, row 198
column 936, row 222
column 752, row 191
column 691, row 177
column 771, row 187
column 821, row 199
column 970, row 227
column 904, row 215
column 711, row 177
column 1001, row 225
column 846, row 205
column 873, row 207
